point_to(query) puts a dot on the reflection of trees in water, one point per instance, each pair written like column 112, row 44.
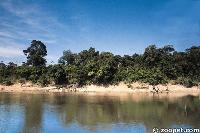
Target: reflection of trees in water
column 33, row 109
column 8, row 99
column 87, row 111
column 91, row 112
column 33, row 114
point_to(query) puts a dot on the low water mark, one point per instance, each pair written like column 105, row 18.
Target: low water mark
column 176, row 130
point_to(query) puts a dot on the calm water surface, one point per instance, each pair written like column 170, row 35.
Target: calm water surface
column 51, row 113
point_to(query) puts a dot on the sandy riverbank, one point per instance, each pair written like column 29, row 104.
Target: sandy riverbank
column 120, row 89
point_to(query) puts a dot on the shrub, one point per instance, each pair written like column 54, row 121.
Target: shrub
column 43, row 80
column 156, row 77
column 57, row 74
column 7, row 82
column 187, row 82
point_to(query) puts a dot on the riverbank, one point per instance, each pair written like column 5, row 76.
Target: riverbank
column 120, row 89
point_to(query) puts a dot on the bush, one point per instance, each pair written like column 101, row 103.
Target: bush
column 152, row 76
column 156, row 77
column 155, row 66
column 57, row 74
column 24, row 72
column 8, row 82
column 22, row 81
column 43, row 80
column 71, row 74
column 187, row 82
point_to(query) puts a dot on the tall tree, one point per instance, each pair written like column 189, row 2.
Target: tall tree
column 68, row 58
column 36, row 53
column 193, row 60
column 152, row 56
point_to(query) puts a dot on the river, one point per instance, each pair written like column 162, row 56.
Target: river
column 57, row 113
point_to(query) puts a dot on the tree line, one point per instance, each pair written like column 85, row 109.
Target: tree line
column 154, row 66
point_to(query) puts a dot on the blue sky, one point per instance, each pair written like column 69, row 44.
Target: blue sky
column 118, row 26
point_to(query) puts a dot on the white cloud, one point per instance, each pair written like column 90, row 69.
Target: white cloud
column 29, row 21
column 10, row 52
column 6, row 34
column 23, row 22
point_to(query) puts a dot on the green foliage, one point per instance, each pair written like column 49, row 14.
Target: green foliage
column 43, row 80
column 68, row 58
column 8, row 73
column 193, row 61
column 57, row 74
column 71, row 74
column 36, row 53
column 107, row 68
column 188, row 82
column 152, row 56
column 152, row 76
column 156, row 77
column 155, row 66
column 24, row 72
column 7, row 82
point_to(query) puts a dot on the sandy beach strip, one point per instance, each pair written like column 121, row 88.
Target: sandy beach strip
column 137, row 89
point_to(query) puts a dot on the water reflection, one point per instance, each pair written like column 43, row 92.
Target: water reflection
column 33, row 107
column 62, row 113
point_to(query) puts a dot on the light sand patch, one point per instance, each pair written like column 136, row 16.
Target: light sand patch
column 137, row 90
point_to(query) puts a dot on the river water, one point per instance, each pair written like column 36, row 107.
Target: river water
column 56, row 113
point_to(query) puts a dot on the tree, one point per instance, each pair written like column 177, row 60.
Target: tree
column 57, row 74
column 155, row 66
column 151, row 56
column 193, row 60
column 2, row 64
column 108, row 66
column 36, row 53
column 68, row 58
column 168, row 49
column 87, row 63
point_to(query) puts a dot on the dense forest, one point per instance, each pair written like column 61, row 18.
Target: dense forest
column 154, row 66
